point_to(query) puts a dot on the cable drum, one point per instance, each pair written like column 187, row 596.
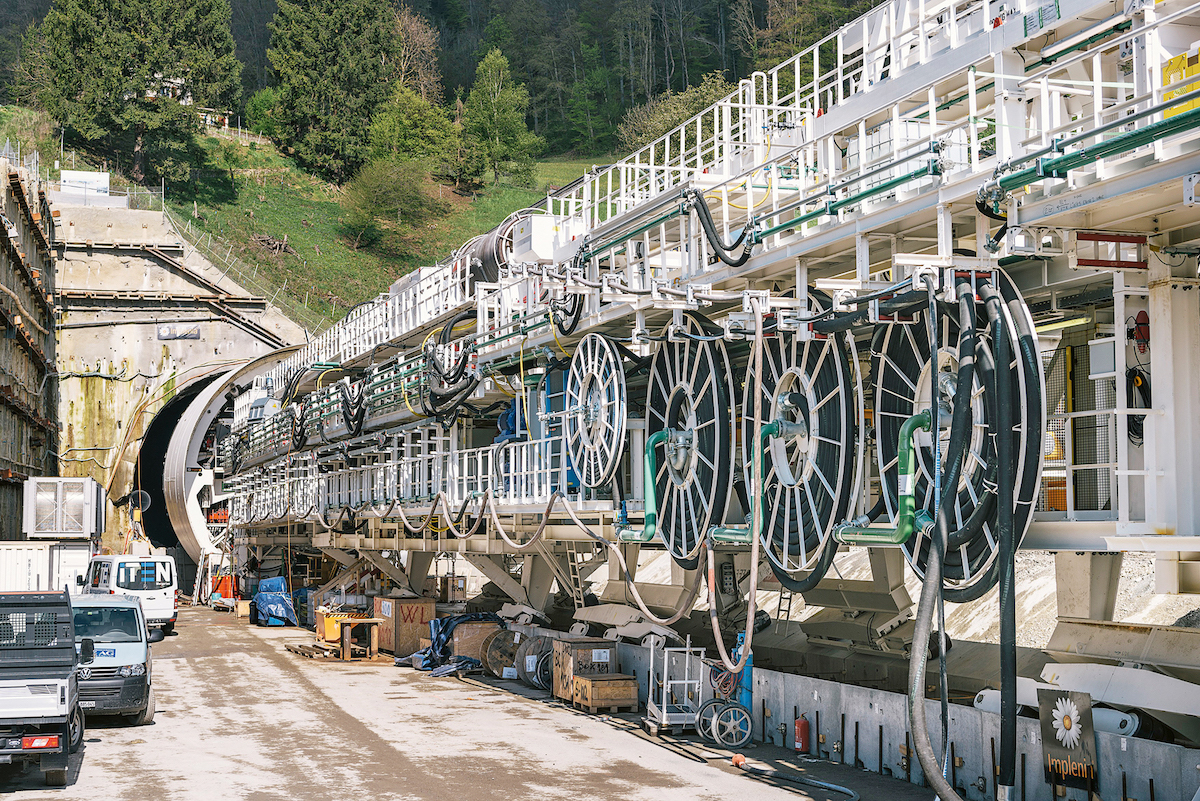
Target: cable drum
column 808, row 475
column 901, row 364
column 690, row 394
column 596, row 410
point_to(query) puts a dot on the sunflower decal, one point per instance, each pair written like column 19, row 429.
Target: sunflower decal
column 1066, row 722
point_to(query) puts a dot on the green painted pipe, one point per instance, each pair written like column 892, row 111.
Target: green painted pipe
column 833, row 206
column 907, row 521
column 1060, row 166
column 651, row 470
column 744, row 535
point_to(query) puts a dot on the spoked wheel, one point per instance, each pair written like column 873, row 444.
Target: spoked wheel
column 691, row 396
column 808, row 476
column 704, row 717
column 732, row 726
column 901, row 365
column 595, row 420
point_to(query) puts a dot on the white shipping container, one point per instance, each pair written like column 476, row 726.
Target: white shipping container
column 24, row 566
column 42, row 566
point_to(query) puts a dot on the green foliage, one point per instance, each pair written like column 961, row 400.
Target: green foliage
column 386, row 194
column 261, row 112
column 593, row 114
column 123, row 76
column 271, row 195
column 494, row 120
column 334, row 62
column 408, row 126
column 646, row 123
column 15, row 17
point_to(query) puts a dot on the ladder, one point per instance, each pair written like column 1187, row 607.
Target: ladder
column 784, row 612
column 576, row 577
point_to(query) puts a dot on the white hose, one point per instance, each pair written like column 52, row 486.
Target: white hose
column 756, row 456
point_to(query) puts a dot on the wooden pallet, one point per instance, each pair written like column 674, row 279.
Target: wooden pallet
column 312, row 651
column 612, row 710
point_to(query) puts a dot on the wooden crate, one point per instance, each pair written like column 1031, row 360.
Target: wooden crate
column 407, row 622
column 468, row 639
column 584, row 656
column 452, row 589
column 612, row 692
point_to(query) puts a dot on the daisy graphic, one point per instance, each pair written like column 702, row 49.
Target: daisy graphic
column 1066, row 722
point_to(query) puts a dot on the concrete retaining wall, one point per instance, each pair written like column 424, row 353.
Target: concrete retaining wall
column 869, row 728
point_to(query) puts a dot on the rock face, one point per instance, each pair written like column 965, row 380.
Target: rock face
column 144, row 319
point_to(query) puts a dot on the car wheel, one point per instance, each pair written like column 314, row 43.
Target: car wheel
column 144, row 717
column 75, row 730
column 56, row 778
column 168, row 628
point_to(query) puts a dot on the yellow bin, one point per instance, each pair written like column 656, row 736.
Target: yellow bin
column 329, row 624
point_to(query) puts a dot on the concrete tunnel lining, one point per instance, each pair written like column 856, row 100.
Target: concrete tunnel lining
column 183, row 476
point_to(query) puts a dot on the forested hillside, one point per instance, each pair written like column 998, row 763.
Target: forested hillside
column 584, row 62
column 393, row 130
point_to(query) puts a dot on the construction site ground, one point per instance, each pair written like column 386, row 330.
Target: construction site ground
column 240, row 717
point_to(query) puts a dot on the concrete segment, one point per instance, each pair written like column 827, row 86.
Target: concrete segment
column 240, row 717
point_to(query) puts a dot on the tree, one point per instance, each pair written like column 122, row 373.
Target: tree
column 260, row 112
column 494, row 119
column 666, row 112
column 129, row 74
column 334, row 63
column 408, row 126
column 417, row 65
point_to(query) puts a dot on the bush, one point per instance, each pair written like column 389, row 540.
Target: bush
column 260, row 112
column 384, row 197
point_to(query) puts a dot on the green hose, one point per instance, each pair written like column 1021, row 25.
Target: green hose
column 907, row 520
column 742, row 535
column 651, row 470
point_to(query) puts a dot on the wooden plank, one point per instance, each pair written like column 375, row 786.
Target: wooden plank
column 468, row 638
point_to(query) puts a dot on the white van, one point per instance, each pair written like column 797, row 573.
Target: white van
column 118, row 680
column 151, row 579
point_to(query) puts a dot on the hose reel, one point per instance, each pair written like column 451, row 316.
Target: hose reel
column 808, row 474
column 596, row 410
column 901, row 366
column 690, row 395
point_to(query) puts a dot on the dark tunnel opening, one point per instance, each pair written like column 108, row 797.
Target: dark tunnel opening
column 151, row 464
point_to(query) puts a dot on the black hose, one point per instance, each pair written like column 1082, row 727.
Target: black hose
column 714, row 238
column 814, row 576
column 1005, row 534
column 702, row 207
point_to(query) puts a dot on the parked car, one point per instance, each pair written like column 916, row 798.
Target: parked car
column 40, row 716
column 151, row 579
column 119, row 680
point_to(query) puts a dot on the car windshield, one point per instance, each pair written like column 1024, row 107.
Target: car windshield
column 148, row 575
column 107, row 624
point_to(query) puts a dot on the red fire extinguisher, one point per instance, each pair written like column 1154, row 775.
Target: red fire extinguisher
column 801, row 735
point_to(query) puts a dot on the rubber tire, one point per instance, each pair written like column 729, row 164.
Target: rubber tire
column 168, row 628
column 744, row 735
column 704, row 717
column 146, row 716
column 76, row 742
column 55, row 778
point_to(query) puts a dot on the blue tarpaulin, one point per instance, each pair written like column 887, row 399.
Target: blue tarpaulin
column 272, row 601
column 440, row 631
